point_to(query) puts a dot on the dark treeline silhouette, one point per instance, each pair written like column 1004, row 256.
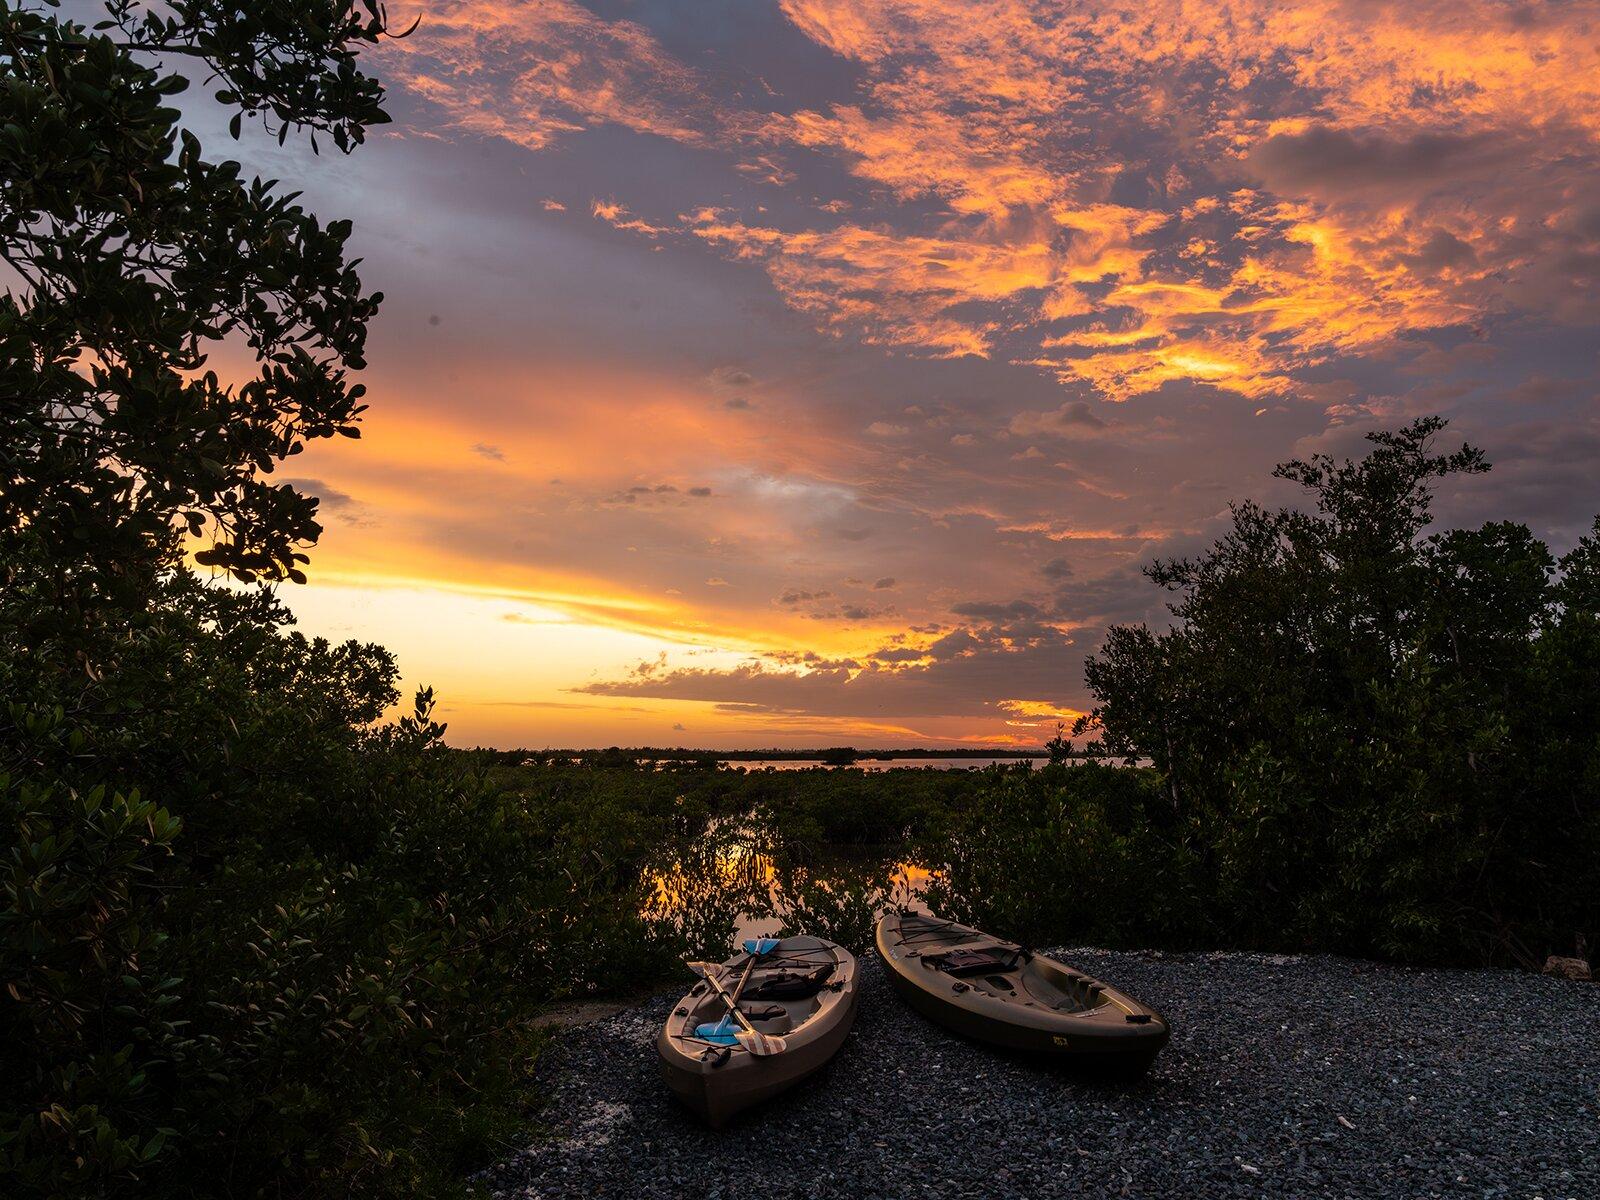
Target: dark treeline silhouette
column 1366, row 737
column 622, row 756
column 248, row 943
column 1373, row 736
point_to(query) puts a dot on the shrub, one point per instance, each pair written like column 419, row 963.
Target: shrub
column 1068, row 854
column 1374, row 739
column 252, row 942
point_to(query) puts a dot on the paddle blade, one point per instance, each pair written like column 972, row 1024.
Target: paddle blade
column 718, row 1033
column 704, row 969
column 762, row 1045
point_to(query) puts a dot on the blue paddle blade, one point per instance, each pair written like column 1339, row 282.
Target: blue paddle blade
column 760, row 946
column 718, row 1033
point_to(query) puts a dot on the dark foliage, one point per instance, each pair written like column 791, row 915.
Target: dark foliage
column 249, row 943
column 1078, row 854
column 254, row 942
column 136, row 257
column 1371, row 738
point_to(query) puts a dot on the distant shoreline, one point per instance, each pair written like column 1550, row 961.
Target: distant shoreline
column 773, row 755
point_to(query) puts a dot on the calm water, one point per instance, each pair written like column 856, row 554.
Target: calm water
column 735, row 878
column 887, row 764
column 739, row 880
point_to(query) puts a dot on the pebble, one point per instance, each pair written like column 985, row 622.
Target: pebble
column 1287, row 1076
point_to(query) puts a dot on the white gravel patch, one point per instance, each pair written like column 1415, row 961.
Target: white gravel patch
column 1288, row 1076
column 596, row 1127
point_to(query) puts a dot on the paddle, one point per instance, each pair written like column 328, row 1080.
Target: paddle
column 756, row 948
column 752, row 1039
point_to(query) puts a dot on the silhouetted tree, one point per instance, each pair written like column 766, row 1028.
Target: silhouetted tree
column 132, row 257
column 1376, row 738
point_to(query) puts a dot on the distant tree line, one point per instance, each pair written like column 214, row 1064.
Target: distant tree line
column 626, row 756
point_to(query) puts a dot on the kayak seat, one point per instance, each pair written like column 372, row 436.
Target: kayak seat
column 762, row 1012
column 777, row 1024
column 768, row 1018
column 788, row 985
column 962, row 963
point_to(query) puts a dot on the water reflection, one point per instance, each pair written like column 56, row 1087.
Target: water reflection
column 881, row 764
column 909, row 764
column 738, row 879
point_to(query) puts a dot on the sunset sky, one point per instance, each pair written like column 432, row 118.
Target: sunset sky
column 796, row 372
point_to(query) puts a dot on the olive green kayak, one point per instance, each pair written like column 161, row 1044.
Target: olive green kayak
column 803, row 991
column 999, row 992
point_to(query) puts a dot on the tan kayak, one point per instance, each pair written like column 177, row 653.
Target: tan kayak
column 1001, row 993
column 803, row 991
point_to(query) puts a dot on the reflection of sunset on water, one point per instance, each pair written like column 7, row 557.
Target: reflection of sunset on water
column 910, row 880
column 743, row 876
column 733, row 866
column 823, row 372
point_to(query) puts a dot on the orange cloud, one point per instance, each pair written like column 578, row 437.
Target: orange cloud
column 1025, row 121
column 532, row 71
column 1248, row 201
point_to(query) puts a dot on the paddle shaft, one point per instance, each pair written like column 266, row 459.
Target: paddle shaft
column 733, row 1008
column 743, row 979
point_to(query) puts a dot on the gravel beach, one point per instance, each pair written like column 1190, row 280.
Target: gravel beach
column 1286, row 1076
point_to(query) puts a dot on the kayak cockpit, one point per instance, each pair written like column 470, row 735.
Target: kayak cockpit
column 799, row 1001
column 990, row 967
column 784, row 992
column 1004, row 993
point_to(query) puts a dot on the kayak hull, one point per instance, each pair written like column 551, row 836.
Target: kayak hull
column 717, row 1086
column 1051, row 1011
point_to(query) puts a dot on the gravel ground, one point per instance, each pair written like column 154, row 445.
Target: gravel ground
column 1285, row 1076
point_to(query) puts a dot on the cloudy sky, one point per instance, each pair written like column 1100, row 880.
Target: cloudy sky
column 785, row 372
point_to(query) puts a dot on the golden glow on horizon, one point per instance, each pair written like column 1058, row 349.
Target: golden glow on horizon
column 504, row 668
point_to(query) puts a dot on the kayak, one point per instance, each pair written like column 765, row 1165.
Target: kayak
column 803, row 991
column 1001, row 993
